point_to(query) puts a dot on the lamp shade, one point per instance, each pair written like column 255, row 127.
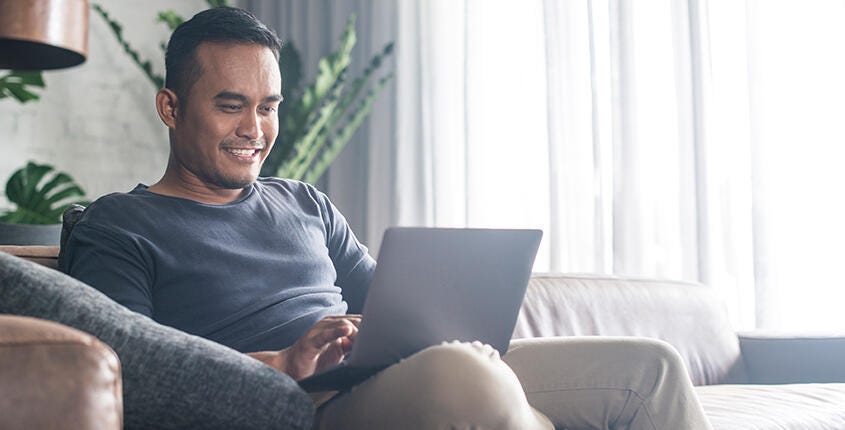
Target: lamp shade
column 43, row 34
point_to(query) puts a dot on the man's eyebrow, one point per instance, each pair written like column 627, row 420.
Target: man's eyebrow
column 228, row 95
column 273, row 98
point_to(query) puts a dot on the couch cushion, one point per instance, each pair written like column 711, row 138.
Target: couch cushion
column 774, row 407
column 688, row 316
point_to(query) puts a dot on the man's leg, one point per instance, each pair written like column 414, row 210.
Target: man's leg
column 451, row 386
column 607, row 383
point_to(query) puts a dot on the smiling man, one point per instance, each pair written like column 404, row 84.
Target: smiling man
column 269, row 267
column 218, row 145
column 211, row 249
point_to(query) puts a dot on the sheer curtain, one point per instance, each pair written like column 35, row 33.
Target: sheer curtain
column 588, row 119
column 685, row 139
column 780, row 63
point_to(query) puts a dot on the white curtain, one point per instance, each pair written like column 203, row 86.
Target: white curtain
column 587, row 119
column 685, row 139
column 778, row 72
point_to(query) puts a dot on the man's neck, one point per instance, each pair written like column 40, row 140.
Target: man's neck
column 195, row 190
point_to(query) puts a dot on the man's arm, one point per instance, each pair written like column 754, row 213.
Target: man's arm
column 111, row 264
column 351, row 260
column 324, row 345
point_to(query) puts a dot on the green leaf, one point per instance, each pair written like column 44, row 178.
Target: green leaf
column 313, row 167
column 156, row 79
column 310, row 116
column 170, row 18
column 15, row 83
column 58, row 180
column 303, row 147
column 21, row 94
column 335, row 145
column 26, row 77
column 37, row 203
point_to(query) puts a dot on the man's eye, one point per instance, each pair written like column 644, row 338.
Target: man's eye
column 269, row 109
column 230, row 108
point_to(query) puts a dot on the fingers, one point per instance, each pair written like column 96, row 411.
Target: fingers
column 331, row 333
column 353, row 318
column 346, row 345
column 330, row 329
column 325, row 344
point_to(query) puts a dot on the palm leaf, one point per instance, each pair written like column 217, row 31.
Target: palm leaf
column 40, row 194
column 18, row 84
column 341, row 138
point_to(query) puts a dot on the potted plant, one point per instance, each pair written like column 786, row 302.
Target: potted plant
column 40, row 194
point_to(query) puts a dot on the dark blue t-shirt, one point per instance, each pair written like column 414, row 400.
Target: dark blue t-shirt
column 253, row 274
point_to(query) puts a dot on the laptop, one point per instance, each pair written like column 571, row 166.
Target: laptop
column 434, row 285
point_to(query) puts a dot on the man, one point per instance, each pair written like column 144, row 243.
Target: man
column 270, row 267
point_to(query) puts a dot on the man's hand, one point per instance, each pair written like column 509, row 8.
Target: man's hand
column 325, row 344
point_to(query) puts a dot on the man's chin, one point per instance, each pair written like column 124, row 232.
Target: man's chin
column 235, row 183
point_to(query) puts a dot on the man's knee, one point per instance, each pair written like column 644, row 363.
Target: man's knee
column 655, row 352
column 652, row 365
column 465, row 377
column 459, row 385
column 453, row 385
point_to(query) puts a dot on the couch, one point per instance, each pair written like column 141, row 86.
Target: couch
column 745, row 381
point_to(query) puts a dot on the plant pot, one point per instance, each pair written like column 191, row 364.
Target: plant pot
column 30, row 234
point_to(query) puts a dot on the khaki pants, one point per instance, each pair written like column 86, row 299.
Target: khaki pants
column 572, row 383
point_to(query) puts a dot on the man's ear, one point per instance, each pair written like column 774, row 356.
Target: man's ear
column 167, row 105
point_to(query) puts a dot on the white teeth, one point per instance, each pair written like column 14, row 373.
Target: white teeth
column 241, row 152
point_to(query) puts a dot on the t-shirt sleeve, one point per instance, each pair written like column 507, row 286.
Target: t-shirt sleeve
column 353, row 264
column 111, row 263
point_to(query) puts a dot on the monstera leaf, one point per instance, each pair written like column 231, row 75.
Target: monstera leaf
column 41, row 195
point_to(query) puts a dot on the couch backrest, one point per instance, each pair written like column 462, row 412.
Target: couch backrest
column 688, row 316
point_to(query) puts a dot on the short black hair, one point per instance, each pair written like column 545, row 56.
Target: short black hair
column 216, row 25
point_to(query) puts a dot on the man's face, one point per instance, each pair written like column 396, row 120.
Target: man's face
column 227, row 126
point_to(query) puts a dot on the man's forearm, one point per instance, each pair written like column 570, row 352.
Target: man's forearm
column 274, row 359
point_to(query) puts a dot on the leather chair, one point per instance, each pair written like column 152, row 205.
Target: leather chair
column 53, row 376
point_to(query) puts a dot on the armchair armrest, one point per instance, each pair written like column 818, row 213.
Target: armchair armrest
column 772, row 358
column 43, row 255
column 53, row 376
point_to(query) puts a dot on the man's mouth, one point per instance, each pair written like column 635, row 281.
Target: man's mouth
column 243, row 152
column 244, row 155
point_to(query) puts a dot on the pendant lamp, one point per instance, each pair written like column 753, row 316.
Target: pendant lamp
column 43, row 34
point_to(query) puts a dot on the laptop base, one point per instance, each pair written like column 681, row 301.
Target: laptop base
column 340, row 378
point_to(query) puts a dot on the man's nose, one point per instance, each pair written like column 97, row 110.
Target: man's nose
column 249, row 126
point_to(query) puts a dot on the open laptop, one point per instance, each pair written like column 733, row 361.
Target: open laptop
column 434, row 285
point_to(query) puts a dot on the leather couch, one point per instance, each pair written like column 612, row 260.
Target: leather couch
column 53, row 376
column 744, row 381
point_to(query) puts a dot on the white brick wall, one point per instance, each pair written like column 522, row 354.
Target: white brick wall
column 97, row 121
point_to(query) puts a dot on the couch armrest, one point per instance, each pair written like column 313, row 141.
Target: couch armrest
column 776, row 358
column 53, row 376
column 43, row 255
